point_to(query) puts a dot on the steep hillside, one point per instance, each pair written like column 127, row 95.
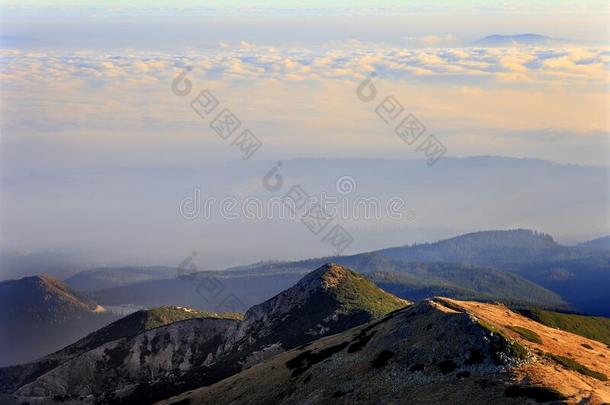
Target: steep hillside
column 40, row 315
column 158, row 356
column 132, row 325
column 192, row 352
column 438, row 351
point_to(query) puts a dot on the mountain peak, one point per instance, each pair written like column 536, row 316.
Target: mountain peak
column 40, row 290
column 348, row 290
column 328, row 276
column 43, row 315
column 327, row 300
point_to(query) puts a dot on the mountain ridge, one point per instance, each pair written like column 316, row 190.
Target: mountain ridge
column 437, row 351
column 192, row 351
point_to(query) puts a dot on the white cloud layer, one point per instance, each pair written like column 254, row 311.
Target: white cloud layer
column 353, row 60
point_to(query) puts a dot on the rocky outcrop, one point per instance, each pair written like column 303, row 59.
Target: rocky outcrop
column 159, row 355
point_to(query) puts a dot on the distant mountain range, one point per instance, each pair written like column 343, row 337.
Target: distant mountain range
column 602, row 243
column 101, row 278
column 40, row 315
column 518, row 39
column 517, row 267
column 499, row 249
column 579, row 275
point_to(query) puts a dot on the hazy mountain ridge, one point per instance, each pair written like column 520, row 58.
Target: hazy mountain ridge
column 41, row 315
column 187, row 290
column 517, row 39
column 580, row 276
column 500, row 249
column 602, row 243
column 490, row 265
column 101, row 278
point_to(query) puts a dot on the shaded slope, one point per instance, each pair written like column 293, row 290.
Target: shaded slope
column 40, row 315
column 418, row 281
column 161, row 355
column 583, row 283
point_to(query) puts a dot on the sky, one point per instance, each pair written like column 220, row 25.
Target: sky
column 86, row 89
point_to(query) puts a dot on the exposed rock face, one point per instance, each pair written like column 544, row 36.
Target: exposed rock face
column 196, row 352
column 125, row 328
column 160, row 354
column 438, row 351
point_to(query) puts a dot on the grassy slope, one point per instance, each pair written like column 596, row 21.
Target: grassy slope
column 169, row 314
column 356, row 292
column 593, row 327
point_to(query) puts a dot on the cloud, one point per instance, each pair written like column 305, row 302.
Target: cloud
column 341, row 62
column 306, row 94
